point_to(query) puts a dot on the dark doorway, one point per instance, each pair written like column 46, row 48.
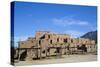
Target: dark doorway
column 23, row 56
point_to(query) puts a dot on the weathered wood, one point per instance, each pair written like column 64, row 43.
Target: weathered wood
column 40, row 53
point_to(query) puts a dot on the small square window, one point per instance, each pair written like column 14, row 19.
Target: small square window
column 22, row 43
column 32, row 41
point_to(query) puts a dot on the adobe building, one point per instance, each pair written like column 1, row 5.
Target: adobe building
column 48, row 44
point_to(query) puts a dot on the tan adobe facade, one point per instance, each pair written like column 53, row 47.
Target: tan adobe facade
column 43, row 40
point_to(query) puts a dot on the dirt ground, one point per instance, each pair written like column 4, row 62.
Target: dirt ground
column 63, row 59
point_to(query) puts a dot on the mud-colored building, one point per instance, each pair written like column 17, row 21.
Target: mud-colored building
column 47, row 44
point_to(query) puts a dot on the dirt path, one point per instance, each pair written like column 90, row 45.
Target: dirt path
column 64, row 59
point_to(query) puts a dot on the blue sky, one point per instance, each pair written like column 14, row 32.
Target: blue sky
column 71, row 19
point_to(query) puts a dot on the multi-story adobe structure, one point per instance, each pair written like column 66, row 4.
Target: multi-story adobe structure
column 47, row 44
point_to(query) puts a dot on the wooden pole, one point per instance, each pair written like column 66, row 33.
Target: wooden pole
column 18, row 52
column 40, row 52
column 46, row 52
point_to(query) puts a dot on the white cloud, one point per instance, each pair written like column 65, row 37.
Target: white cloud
column 65, row 21
column 19, row 38
column 74, row 33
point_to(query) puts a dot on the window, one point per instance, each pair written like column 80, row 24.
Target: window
column 22, row 43
column 90, row 46
column 48, row 36
column 39, row 41
column 31, row 41
column 71, row 40
column 57, row 39
column 65, row 40
column 50, row 41
column 43, row 51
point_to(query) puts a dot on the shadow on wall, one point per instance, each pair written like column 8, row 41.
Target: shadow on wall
column 23, row 56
